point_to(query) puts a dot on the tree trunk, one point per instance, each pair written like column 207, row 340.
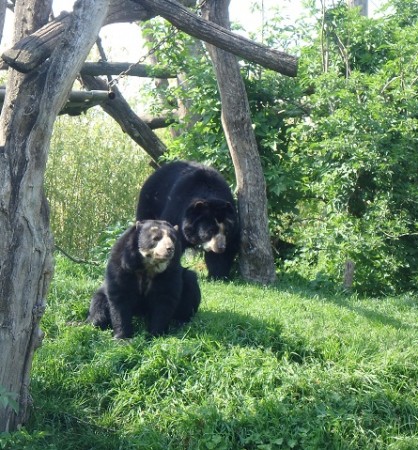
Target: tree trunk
column 31, row 106
column 363, row 4
column 256, row 256
column 3, row 7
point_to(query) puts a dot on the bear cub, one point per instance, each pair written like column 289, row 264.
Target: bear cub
column 144, row 278
column 199, row 201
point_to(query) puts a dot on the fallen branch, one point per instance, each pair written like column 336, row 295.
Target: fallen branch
column 74, row 259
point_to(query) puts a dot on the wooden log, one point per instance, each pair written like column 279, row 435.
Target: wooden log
column 80, row 101
column 137, row 70
column 33, row 50
column 74, row 96
column 220, row 37
column 137, row 129
column 256, row 260
column 26, row 266
column 155, row 123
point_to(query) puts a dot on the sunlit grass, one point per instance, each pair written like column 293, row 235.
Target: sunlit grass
column 258, row 368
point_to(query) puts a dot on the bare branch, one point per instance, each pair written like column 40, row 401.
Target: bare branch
column 119, row 109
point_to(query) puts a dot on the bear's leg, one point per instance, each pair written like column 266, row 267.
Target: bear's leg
column 99, row 314
column 219, row 264
column 163, row 299
column 190, row 297
column 160, row 315
column 121, row 316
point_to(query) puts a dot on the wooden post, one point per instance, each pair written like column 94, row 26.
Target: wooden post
column 256, row 255
column 31, row 105
column 349, row 275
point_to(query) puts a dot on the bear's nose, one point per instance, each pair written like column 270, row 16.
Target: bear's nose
column 221, row 241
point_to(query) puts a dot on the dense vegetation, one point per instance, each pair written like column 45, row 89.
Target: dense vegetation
column 94, row 175
column 259, row 368
column 299, row 365
column 338, row 145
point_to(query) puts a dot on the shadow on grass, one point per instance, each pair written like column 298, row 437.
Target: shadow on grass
column 324, row 419
column 234, row 329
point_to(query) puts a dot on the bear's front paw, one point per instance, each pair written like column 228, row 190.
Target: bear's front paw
column 122, row 335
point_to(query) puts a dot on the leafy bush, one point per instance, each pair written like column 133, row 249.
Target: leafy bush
column 357, row 153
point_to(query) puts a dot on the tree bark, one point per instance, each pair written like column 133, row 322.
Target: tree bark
column 3, row 7
column 30, row 52
column 31, row 106
column 256, row 256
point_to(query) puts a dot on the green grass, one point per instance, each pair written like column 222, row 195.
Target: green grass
column 258, row 368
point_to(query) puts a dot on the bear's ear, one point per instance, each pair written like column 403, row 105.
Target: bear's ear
column 226, row 210
column 176, row 227
column 199, row 205
column 138, row 224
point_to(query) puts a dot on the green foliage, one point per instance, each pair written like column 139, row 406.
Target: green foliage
column 8, row 399
column 93, row 178
column 198, row 92
column 291, row 370
column 107, row 238
column 338, row 144
column 357, row 153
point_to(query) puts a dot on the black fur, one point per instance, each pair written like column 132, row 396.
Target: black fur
column 197, row 199
column 144, row 278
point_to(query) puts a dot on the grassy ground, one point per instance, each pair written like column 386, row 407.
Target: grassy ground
column 258, row 368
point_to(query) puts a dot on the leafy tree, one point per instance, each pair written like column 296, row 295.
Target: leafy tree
column 358, row 155
column 338, row 145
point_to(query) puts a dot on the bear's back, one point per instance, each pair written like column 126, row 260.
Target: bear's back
column 172, row 188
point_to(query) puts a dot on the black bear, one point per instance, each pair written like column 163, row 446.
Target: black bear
column 144, row 278
column 199, row 201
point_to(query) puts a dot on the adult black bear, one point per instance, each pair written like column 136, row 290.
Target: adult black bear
column 197, row 199
column 144, row 278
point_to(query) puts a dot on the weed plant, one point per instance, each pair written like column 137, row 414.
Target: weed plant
column 262, row 368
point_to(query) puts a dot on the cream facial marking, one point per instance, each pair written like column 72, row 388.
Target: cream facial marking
column 163, row 250
column 218, row 242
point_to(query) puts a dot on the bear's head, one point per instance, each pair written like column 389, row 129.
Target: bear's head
column 208, row 223
column 156, row 243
